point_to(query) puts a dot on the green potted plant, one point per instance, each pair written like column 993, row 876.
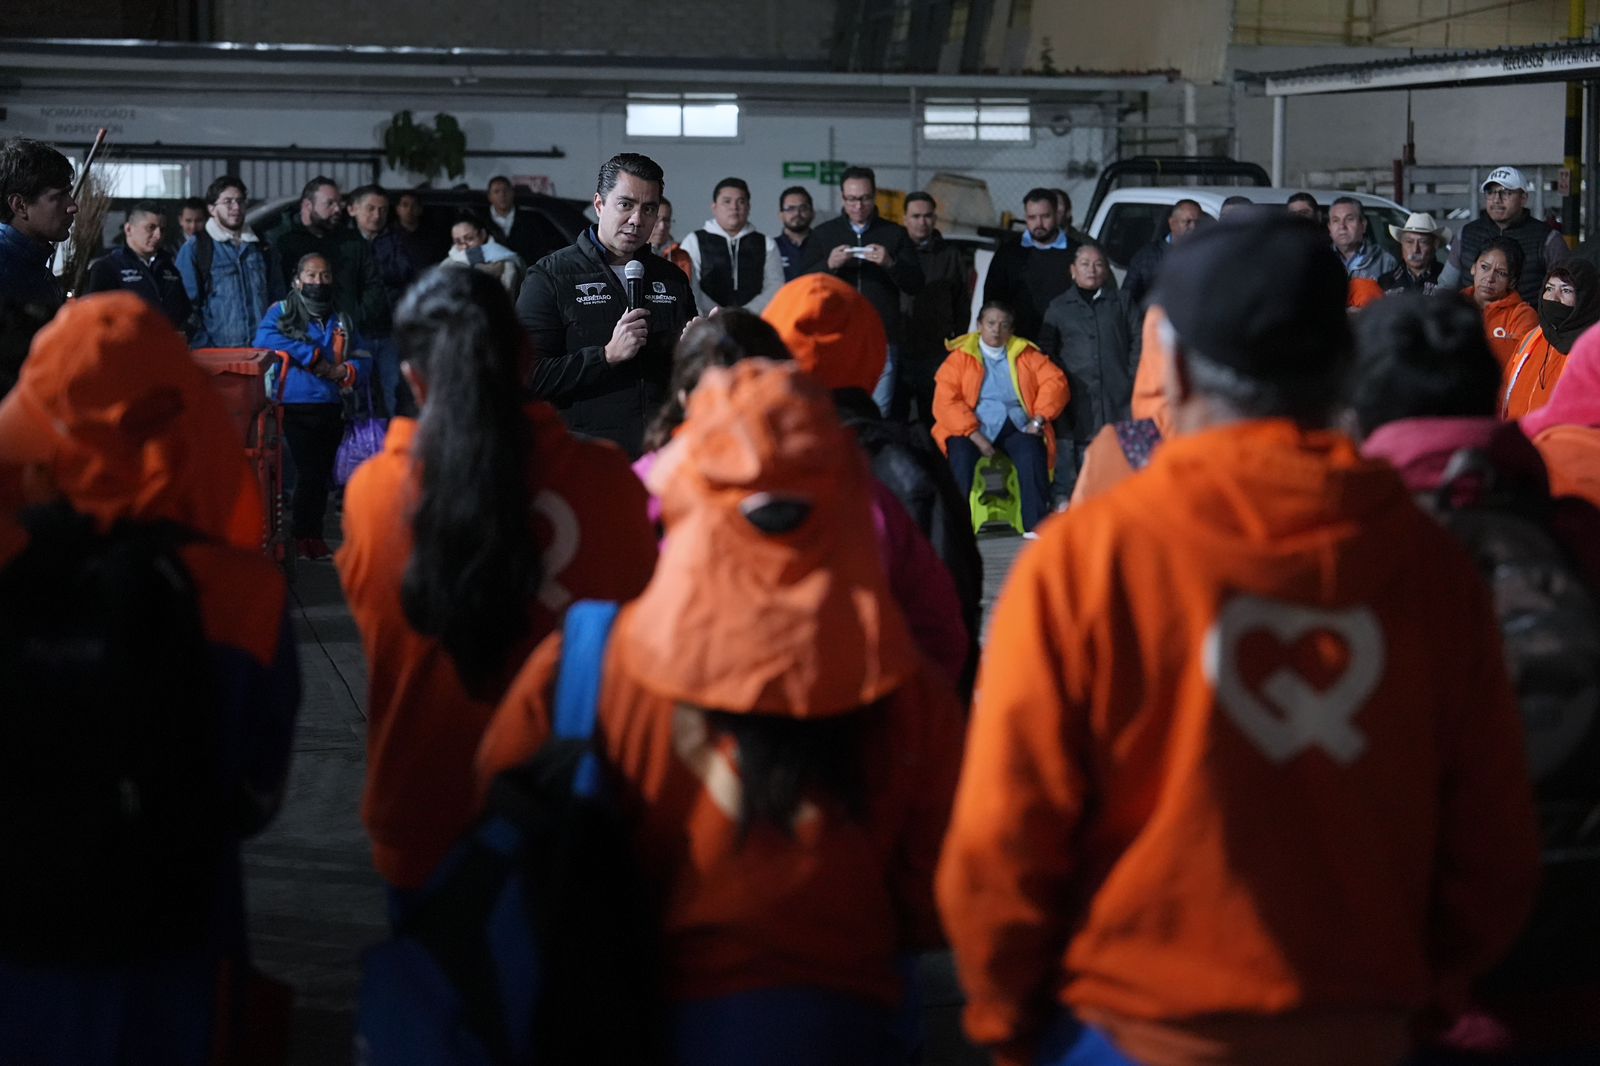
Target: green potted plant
column 425, row 150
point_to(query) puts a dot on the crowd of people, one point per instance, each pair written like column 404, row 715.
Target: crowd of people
column 1283, row 745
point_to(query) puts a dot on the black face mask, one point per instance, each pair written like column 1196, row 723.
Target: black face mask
column 317, row 297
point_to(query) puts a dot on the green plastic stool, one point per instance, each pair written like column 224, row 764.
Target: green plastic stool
column 996, row 493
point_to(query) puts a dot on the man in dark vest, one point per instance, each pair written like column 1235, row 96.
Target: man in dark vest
column 1505, row 213
column 732, row 263
column 939, row 312
column 1027, row 274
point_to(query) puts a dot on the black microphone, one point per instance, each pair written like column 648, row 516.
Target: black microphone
column 634, row 273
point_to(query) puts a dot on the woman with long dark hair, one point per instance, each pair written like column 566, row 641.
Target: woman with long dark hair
column 480, row 521
column 322, row 347
column 786, row 753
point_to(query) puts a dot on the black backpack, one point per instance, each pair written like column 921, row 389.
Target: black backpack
column 534, row 941
column 112, row 818
column 1550, row 626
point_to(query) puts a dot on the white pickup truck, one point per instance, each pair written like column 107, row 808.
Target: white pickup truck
column 1127, row 219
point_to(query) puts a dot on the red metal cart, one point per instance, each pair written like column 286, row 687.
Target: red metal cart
column 242, row 377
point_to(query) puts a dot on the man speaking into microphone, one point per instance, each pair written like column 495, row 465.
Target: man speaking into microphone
column 605, row 313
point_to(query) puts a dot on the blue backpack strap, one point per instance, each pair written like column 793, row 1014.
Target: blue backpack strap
column 585, row 634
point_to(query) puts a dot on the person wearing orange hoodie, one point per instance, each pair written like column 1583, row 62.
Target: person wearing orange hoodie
column 978, row 410
column 465, row 538
column 1507, row 318
column 1567, row 429
column 836, row 336
column 111, row 422
column 1245, row 781
column 784, row 756
column 1570, row 305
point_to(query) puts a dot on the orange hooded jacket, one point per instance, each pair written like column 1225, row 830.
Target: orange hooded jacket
column 422, row 726
column 1505, row 322
column 111, row 413
column 797, row 625
column 832, row 331
column 1530, row 376
column 1039, row 383
column 1244, row 750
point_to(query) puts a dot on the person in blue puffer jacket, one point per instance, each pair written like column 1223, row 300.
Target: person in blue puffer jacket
column 326, row 358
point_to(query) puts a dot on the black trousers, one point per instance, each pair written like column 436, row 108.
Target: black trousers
column 313, row 431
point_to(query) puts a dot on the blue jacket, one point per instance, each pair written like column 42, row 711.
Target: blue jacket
column 243, row 282
column 25, row 270
column 157, row 281
column 302, row 385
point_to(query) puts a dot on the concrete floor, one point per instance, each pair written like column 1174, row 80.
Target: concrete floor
column 315, row 902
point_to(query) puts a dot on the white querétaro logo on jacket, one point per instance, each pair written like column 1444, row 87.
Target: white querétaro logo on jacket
column 1285, row 714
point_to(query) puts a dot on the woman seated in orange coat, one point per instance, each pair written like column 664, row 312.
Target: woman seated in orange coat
column 1569, row 306
column 1507, row 317
column 978, row 410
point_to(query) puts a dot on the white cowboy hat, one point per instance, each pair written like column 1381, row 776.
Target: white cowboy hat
column 1421, row 222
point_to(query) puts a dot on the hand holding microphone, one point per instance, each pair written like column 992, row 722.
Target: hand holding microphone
column 633, row 328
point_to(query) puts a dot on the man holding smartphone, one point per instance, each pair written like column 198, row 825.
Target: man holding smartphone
column 872, row 254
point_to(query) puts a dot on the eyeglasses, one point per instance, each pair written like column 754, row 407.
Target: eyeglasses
column 1502, row 194
column 859, row 199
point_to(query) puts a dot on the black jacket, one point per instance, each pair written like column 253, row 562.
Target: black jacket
column 1026, row 280
column 908, row 463
column 157, row 281
column 570, row 303
column 1143, row 268
column 881, row 287
column 526, row 236
column 1096, row 344
column 357, row 283
column 942, row 309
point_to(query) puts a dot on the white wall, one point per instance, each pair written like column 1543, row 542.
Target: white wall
column 1506, row 123
column 589, row 131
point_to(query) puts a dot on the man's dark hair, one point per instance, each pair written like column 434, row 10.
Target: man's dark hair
column 1349, row 200
column 1235, row 201
column 640, row 166
column 479, row 220
column 997, row 305
column 730, row 183
column 1422, row 357
column 1516, row 259
column 310, row 191
column 145, row 207
column 403, row 193
column 666, row 203
column 866, row 174
column 361, row 192
column 1064, row 200
column 795, row 190
column 221, row 185
column 919, row 198
column 29, row 168
column 1034, row 195
column 498, row 177
column 1191, row 203
column 194, row 203
column 1304, row 198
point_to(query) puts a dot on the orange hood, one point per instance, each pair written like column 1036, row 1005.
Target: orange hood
column 1261, row 497
column 831, row 330
column 1150, row 380
column 111, row 412
column 800, row 623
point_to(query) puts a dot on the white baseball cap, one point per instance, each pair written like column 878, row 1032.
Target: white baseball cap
column 1508, row 177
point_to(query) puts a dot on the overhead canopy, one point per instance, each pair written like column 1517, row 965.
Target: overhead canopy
column 1562, row 61
column 152, row 66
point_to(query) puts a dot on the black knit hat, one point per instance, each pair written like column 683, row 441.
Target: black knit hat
column 1261, row 294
